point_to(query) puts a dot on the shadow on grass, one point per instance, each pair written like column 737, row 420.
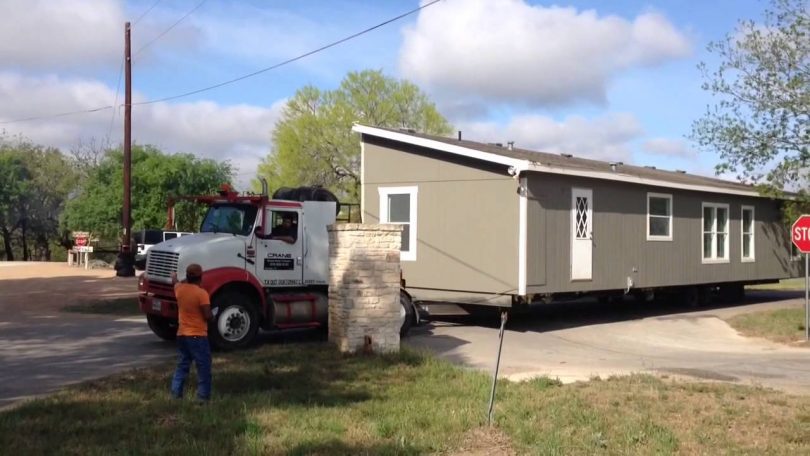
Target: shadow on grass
column 291, row 386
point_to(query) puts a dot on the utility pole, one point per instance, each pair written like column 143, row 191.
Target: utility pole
column 125, row 266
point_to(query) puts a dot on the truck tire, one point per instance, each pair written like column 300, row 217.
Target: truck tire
column 407, row 314
column 162, row 327
column 236, row 322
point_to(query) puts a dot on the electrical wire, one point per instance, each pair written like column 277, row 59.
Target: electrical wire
column 168, row 29
column 146, row 12
column 288, row 61
column 231, row 81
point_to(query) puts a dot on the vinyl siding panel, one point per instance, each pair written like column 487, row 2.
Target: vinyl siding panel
column 467, row 213
column 620, row 245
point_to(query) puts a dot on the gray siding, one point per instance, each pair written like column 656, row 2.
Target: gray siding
column 466, row 222
column 620, row 245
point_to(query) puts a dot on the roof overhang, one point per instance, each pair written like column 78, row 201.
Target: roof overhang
column 518, row 166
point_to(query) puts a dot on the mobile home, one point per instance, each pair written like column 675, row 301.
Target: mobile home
column 499, row 225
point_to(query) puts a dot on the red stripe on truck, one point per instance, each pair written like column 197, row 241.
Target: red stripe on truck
column 214, row 279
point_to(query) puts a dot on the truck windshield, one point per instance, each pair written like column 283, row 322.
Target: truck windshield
column 229, row 218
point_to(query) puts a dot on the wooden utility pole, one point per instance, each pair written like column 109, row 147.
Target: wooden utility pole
column 126, row 257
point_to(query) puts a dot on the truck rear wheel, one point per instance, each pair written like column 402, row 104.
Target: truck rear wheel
column 162, row 327
column 236, row 322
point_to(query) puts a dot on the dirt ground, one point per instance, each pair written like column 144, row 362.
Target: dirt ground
column 36, row 289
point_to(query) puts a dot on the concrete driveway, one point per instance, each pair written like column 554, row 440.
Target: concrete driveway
column 579, row 340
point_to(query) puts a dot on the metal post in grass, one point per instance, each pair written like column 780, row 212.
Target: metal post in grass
column 497, row 366
column 806, row 300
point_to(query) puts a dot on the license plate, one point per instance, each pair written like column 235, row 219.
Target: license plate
column 156, row 305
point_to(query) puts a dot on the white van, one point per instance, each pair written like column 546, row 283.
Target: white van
column 145, row 239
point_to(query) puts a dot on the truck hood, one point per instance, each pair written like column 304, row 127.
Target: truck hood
column 209, row 250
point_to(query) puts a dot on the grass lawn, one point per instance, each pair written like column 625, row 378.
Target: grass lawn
column 120, row 306
column 780, row 325
column 783, row 285
column 309, row 399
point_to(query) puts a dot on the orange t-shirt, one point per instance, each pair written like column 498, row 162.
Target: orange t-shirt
column 190, row 299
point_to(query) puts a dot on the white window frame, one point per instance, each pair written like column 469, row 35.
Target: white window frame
column 753, row 256
column 713, row 259
column 671, row 211
column 385, row 192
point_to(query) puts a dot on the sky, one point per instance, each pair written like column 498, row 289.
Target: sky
column 614, row 81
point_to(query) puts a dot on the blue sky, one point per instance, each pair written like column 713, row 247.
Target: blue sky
column 610, row 80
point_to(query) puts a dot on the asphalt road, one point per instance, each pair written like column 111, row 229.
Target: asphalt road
column 43, row 349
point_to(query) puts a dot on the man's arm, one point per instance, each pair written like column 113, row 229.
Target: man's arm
column 174, row 278
column 205, row 305
column 287, row 239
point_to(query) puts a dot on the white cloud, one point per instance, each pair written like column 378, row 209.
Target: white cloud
column 669, row 147
column 49, row 33
column 602, row 138
column 239, row 133
column 507, row 50
column 80, row 35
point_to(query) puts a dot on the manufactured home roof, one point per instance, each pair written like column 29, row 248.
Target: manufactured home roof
column 529, row 160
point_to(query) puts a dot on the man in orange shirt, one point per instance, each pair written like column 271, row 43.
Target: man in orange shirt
column 194, row 312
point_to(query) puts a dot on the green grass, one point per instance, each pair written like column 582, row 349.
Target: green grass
column 309, row 399
column 783, row 285
column 780, row 325
column 120, row 306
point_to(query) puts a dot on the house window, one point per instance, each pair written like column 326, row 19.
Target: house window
column 398, row 206
column 715, row 233
column 659, row 217
column 747, row 219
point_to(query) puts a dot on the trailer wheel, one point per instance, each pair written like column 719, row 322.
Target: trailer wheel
column 236, row 322
column 164, row 328
column 407, row 314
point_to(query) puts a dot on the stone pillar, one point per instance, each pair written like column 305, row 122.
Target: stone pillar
column 364, row 273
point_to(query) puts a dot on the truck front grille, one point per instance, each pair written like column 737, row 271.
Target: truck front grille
column 161, row 264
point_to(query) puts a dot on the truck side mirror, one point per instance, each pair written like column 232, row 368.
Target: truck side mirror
column 259, row 232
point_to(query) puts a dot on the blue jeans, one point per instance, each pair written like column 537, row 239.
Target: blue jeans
column 193, row 348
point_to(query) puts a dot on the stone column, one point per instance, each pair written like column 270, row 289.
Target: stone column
column 364, row 273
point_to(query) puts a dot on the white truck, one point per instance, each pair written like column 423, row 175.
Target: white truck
column 256, row 277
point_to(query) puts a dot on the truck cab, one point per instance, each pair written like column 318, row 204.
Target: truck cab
column 265, row 263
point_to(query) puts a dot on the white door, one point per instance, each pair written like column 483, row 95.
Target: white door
column 581, row 234
column 279, row 253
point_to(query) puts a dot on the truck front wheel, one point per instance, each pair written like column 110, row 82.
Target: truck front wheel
column 162, row 327
column 236, row 322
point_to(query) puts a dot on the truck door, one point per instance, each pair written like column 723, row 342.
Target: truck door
column 279, row 255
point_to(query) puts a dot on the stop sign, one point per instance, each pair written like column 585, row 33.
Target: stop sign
column 800, row 233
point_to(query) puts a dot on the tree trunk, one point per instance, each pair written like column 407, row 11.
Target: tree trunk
column 25, row 252
column 7, row 243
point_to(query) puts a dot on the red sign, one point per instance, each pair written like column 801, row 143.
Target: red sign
column 800, row 233
column 80, row 241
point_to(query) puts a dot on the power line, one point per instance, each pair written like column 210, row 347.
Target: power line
column 53, row 116
column 288, row 61
column 146, row 12
column 168, row 29
column 115, row 101
column 231, row 81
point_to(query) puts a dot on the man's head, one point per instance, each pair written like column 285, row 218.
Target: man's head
column 286, row 220
column 194, row 273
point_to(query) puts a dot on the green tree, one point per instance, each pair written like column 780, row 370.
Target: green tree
column 313, row 143
column 35, row 183
column 759, row 125
column 155, row 177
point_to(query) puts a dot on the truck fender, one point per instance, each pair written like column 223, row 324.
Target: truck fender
column 214, row 279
